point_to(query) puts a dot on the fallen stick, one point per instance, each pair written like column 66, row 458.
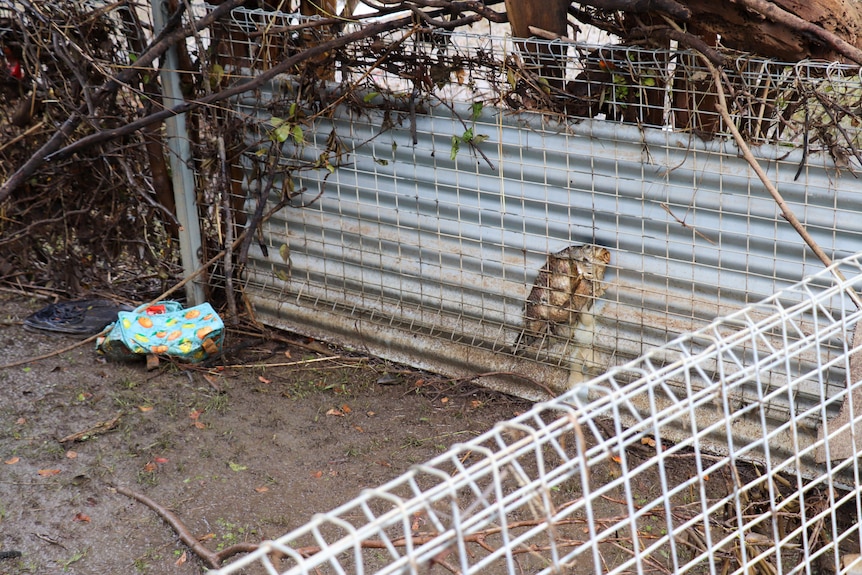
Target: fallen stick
column 212, row 559
column 99, row 428
column 53, row 353
column 294, row 363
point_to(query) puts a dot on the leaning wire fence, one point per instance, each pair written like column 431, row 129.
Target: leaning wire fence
column 591, row 483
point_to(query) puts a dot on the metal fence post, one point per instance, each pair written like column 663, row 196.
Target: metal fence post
column 181, row 162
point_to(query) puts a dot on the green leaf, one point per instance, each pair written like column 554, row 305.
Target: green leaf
column 544, row 85
column 476, row 110
column 236, row 466
column 468, row 135
column 456, row 145
column 275, row 121
column 370, row 96
column 297, row 134
column 284, row 252
column 282, row 133
column 479, row 138
column 323, row 162
column 216, row 75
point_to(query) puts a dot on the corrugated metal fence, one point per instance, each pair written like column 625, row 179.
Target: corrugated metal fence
column 429, row 259
column 416, row 227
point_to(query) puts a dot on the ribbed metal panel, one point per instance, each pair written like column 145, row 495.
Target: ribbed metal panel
column 427, row 260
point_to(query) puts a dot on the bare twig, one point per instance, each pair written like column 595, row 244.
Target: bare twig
column 681, row 222
column 225, row 189
column 214, row 560
column 167, row 38
column 684, row 38
column 786, row 212
column 295, row 363
column 521, row 376
column 210, row 558
column 54, row 353
column 98, row 429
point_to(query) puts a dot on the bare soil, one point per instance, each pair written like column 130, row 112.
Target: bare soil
column 280, row 429
column 239, row 453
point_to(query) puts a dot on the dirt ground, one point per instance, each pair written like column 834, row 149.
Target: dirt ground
column 239, row 454
column 242, row 453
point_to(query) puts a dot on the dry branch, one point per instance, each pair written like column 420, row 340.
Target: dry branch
column 159, row 46
column 93, row 430
column 786, row 212
column 54, row 353
column 210, row 558
column 215, row 560
column 52, row 150
column 258, row 81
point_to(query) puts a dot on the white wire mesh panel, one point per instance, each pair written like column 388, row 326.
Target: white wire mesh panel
column 590, row 483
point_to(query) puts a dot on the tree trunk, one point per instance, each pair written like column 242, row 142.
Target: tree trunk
column 549, row 15
column 743, row 26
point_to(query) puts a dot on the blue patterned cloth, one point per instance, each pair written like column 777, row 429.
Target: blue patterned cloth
column 165, row 328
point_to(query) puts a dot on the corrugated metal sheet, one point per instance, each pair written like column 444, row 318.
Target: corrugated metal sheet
column 412, row 255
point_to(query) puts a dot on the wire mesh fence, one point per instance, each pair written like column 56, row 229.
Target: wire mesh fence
column 447, row 244
column 590, row 483
column 810, row 104
column 417, row 227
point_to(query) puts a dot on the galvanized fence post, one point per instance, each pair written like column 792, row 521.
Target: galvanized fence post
column 182, row 174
